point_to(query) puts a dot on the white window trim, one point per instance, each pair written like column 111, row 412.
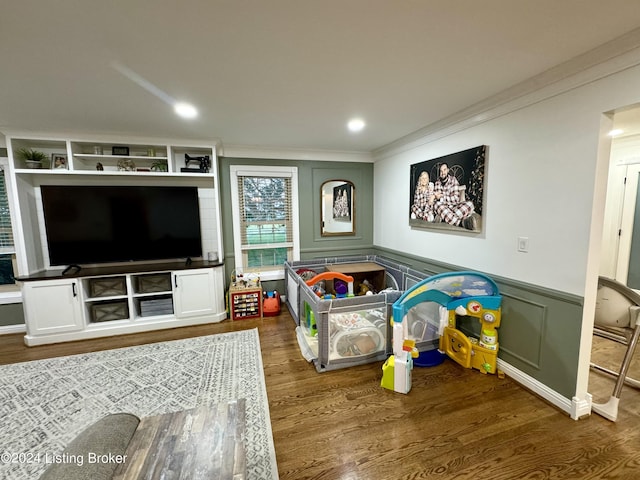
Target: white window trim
column 263, row 171
column 9, row 293
column 4, row 167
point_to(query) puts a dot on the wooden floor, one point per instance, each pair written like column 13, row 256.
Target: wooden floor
column 455, row 423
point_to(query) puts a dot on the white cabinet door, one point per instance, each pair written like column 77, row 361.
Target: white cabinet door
column 194, row 292
column 52, row 306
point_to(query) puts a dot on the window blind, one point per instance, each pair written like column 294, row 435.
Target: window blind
column 6, row 234
column 266, row 227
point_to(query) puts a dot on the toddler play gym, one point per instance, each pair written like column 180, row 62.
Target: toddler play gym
column 356, row 310
column 457, row 294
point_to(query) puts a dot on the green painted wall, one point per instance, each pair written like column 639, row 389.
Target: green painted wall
column 11, row 314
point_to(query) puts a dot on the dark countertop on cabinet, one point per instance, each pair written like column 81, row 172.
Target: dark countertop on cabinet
column 102, row 271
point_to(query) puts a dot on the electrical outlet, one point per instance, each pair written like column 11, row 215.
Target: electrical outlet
column 523, row 244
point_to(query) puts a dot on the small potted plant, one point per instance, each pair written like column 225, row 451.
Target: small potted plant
column 159, row 166
column 33, row 158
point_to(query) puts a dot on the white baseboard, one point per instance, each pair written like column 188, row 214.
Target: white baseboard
column 581, row 407
column 7, row 329
column 10, row 296
column 576, row 407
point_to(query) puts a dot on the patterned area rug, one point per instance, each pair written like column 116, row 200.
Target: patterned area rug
column 44, row 404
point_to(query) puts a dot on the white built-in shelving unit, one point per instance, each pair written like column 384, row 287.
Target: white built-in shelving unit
column 110, row 160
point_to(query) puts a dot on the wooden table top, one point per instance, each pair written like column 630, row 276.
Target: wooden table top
column 359, row 267
column 201, row 443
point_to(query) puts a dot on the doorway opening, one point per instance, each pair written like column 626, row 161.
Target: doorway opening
column 620, row 261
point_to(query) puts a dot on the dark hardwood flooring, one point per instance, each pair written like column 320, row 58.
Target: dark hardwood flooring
column 455, row 423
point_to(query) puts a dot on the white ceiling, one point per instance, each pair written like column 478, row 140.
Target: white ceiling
column 280, row 73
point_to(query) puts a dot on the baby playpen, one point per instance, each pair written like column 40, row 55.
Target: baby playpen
column 337, row 331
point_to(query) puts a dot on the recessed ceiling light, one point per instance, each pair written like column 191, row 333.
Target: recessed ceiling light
column 185, row 110
column 356, row 125
column 615, row 132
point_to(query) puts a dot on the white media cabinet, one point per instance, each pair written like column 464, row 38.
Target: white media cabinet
column 103, row 301
column 61, row 308
column 150, row 161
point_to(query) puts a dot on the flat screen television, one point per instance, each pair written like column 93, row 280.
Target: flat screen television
column 112, row 224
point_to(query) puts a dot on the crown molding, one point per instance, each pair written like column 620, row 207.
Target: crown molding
column 106, row 137
column 609, row 58
column 283, row 153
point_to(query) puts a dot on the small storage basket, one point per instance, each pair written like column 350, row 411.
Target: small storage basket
column 107, row 312
column 154, row 283
column 107, row 287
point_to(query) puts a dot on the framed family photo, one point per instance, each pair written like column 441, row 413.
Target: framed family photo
column 342, row 203
column 337, row 208
column 447, row 193
column 59, row 161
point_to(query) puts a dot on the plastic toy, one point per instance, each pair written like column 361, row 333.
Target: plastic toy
column 353, row 335
column 366, row 288
column 459, row 294
column 429, row 358
column 348, row 279
column 470, row 352
column 271, row 305
column 396, row 371
column 310, row 319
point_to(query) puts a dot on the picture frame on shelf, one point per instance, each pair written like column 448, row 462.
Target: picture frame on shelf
column 126, row 165
column 59, row 161
column 118, row 150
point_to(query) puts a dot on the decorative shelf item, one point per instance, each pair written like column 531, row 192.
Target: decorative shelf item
column 120, row 151
column 33, row 158
column 126, row 165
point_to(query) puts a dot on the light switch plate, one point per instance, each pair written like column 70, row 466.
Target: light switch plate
column 523, row 244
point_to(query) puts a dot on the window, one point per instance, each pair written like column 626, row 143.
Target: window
column 7, row 249
column 265, row 218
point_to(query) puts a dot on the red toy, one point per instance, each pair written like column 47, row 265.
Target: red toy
column 271, row 305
